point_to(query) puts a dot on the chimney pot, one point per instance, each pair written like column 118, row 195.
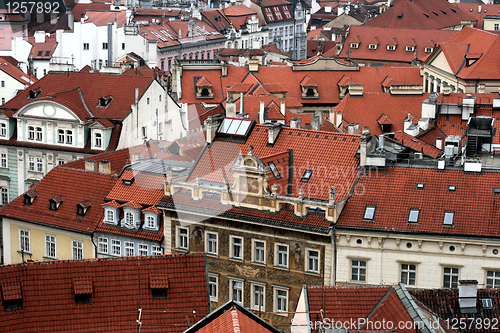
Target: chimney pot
column 338, row 121
column 91, row 165
column 105, row 167
column 439, row 143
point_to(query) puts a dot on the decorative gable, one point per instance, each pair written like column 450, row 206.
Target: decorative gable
column 131, row 215
column 392, row 44
column 204, row 89
column 373, row 44
column 111, row 212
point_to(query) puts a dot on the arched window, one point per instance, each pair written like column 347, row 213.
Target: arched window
column 310, row 92
column 129, row 218
column 205, row 92
column 150, row 222
column 69, row 137
column 110, row 215
column 98, row 140
column 60, row 136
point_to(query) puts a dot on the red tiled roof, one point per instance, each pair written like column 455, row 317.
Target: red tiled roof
column 92, row 87
column 75, row 186
column 11, row 291
column 384, row 36
column 308, row 82
column 120, row 287
column 473, row 41
column 199, row 112
column 79, row 9
column 452, row 124
column 16, row 73
column 203, row 82
column 431, row 134
column 479, row 11
column 102, row 18
column 43, row 51
column 384, row 191
column 384, row 120
column 112, row 203
column 366, row 110
column 146, row 189
column 337, row 151
column 423, row 14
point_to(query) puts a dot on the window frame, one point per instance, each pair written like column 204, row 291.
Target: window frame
column 60, row 136
column 232, row 283
column 3, row 129
column 116, row 244
column 306, row 176
column 101, row 243
column 417, row 210
column 358, row 266
column 277, row 297
column 308, row 259
column 215, row 285
column 446, row 221
column 209, row 241
column 156, row 250
column 129, row 218
column 495, row 279
column 69, row 137
column 38, row 134
column 4, row 194
column 107, row 212
column 4, row 160
column 78, row 248
column 254, row 252
column 128, row 249
column 50, row 246
column 372, row 218
column 24, row 239
column 231, row 242
column 98, row 140
column 451, row 274
column 278, row 255
column 142, row 249
column 253, row 306
column 178, row 238
column 408, row 270
column 147, row 221
column 31, row 132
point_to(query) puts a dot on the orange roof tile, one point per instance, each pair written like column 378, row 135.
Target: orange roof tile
column 48, row 294
column 203, row 83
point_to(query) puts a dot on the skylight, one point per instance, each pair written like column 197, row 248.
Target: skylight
column 487, row 303
column 496, row 191
column 413, row 217
column 307, row 175
column 452, row 188
column 448, row 218
column 369, row 213
column 235, row 126
column 274, row 170
column 419, row 186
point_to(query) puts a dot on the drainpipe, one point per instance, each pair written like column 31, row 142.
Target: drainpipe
column 335, row 255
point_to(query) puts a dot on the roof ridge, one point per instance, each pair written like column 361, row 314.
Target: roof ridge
column 236, row 321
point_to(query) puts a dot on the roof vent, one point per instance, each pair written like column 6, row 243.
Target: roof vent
column 467, row 296
column 34, row 93
column 55, row 202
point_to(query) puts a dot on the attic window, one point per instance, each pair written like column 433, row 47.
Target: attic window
column 34, row 93
column 413, row 216
column 452, row 188
column 274, row 170
column 12, row 297
column 369, row 213
column 410, row 48
column 372, row 46
column 391, row 47
column 159, row 285
column 487, row 303
column 55, row 203
column 127, row 182
column 448, row 218
column 306, row 176
column 354, row 45
column 496, row 191
column 104, row 101
column 82, row 207
column 419, row 186
column 428, row 50
column 83, row 290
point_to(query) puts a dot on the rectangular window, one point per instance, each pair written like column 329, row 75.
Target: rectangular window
column 5, row 195
column 86, row 46
column 287, row 13
column 150, row 222
column 24, row 240
column 282, row 255
column 274, row 170
column 31, row 133
column 212, row 287
column 450, row 278
column 372, row 46
column 104, row 46
column 492, row 279
column 129, row 249
column 236, row 247
column 39, row 164
column 123, row 46
column 144, row 130
column 3, row 84
column 281, row 300
column 212, row 243
column 306, row 176
column 448, row 218
column 3, row 160
column 182, row 238
column 358, row 271
column 50, row 246
column 496, row 27
column 102, row 245
column 3, row 100
column 98, row 140
column 156, row 250
column 259, row 252
column 77, row 249
column 369, row 213
column 3, row 128
column 60, row 136
column 413, row 216
column 408, row 274
column 258, row 296
column 143, row 249
column 69, row 137
column 278, row 13
column 116, row 247
column 313, row 261
column 237, row 291
column 269, row 14
column 39, row 134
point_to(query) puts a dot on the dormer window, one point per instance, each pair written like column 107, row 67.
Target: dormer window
column 354, row 45
column 410, row 48
column 391, row 47
column 12, row 297
column 309, row 88
column 83, row 290
column 34, row 93
column 372, row 46
column 151, row 215
column 104, row 101
column 29, row 197
column 110, row 215
column 131, row 215
column 55, row 202
column 129, row 219
column 429, row 49
column 306, row 176
column 204, row 89
column 3, row 130
column 82, row 208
